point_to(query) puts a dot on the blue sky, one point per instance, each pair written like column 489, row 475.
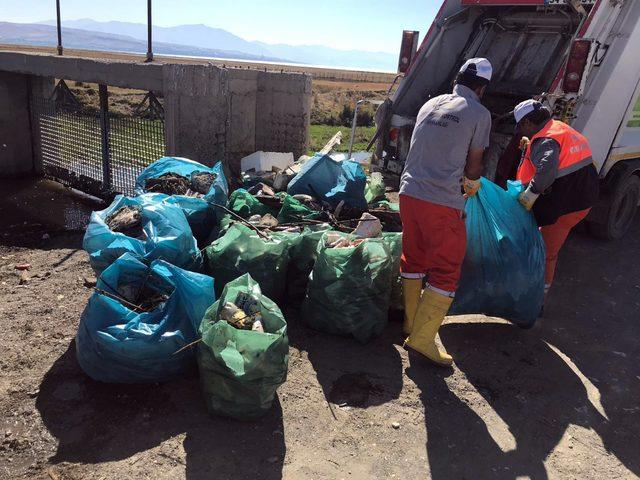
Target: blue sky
column 372, row 25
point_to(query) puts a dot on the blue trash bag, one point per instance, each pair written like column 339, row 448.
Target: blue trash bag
column 201, row 215
column 331, row 181
column 503, row 270
column 168, row 234
column 118, row 343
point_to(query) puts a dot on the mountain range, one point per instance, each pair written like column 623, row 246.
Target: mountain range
column 192, row 40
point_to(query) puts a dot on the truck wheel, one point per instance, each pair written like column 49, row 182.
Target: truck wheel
column 624, row 205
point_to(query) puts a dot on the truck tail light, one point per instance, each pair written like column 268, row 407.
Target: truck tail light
column 393, row 135
column 576, row 64
column 408, row 49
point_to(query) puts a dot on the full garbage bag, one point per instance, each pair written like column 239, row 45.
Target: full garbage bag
column 375, row 188
column 120, row 343
column 202, row 216
column 503, row 270
column 302, row 258
column 241, row 250
column 246, row 205
column 349, row 287
column 293, row 210
column 240, row 370
column 331, row 181
column 394, row 241
column 167, row 234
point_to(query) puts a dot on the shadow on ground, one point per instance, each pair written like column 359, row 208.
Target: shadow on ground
column 96, row 422
column 351, row 374
column 578, row 366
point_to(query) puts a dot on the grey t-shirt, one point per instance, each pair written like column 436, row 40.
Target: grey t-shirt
column 447, row 127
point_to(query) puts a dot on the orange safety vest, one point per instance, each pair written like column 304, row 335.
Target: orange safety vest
column 575, row 152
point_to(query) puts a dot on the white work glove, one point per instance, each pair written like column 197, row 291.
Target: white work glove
column 470, row 187
column 528, row 198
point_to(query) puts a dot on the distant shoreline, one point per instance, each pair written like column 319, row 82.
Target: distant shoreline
column 316, row 71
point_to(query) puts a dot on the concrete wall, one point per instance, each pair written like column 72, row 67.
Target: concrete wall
column 196, row 111
column 16, row 155
column 283, row 109
column 211, row 113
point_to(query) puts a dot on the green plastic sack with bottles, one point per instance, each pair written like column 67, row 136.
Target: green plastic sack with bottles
column 349, row 287
column 394, row 241
column 240, row 370
column 293, row 210
column 241, row 250
column 244, row 204
column 302, row 257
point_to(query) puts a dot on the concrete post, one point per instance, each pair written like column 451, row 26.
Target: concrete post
column 16, row 154
column 241, row 140
column 283, row 111
column 196, row 106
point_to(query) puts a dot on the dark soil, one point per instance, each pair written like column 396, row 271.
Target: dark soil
column 201, row 182
column 169, row 183
column 126, row 220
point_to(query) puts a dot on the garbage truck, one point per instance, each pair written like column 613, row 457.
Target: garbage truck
column 580, row 58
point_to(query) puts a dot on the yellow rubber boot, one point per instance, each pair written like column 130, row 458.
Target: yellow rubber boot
column 432, row 309
column 411, row 290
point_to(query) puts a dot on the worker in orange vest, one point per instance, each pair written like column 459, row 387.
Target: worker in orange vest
column 558, row 172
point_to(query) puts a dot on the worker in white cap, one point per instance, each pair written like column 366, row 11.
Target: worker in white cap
column 446, row 152
column 560, row 179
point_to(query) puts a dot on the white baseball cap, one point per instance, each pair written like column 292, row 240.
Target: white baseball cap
column 525, row 108
column 480, row 67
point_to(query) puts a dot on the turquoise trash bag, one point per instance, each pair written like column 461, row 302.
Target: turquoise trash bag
column 202, row 216
column 503, row 270
column 331, row 181
column 168, row 234
column 119, row 344
column 240, row 370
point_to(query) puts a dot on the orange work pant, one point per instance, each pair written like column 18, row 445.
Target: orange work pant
column 434, row 241
column 554, row 237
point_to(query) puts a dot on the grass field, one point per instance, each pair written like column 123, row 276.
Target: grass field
column 319, row 135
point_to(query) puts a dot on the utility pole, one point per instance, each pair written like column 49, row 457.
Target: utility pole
column 149, row 28
column 59, row 27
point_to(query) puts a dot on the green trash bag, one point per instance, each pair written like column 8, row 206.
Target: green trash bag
column 240, row 370
column 394, row 241
column 375, row 188
column 302, row 257
column 293, row 210
column 240, row 250
column 244, row 204
column 349, row 288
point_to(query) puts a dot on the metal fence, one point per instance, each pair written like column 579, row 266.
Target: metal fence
column 96, row 152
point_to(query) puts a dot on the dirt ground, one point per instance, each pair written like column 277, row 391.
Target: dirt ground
column 559, row 401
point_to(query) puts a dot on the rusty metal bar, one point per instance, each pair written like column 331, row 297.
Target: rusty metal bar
column 149, row 31
column 59, row 27
column 104, row 129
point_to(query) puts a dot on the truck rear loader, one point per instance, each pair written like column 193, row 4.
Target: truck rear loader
column 580, row 58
